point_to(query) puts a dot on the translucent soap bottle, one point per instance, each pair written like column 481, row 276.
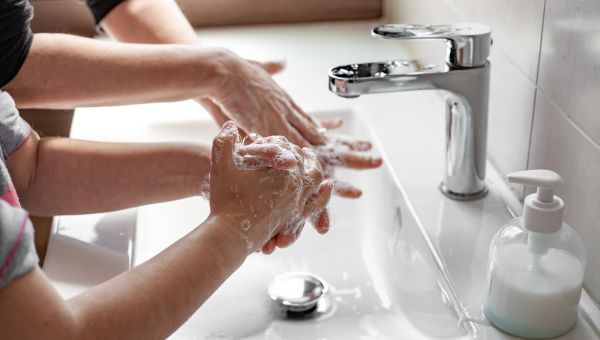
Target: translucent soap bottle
column 536, row 265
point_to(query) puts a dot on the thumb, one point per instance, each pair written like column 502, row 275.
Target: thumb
column 224, row 147
column 272, row 66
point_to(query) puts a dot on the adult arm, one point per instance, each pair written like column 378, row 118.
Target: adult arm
column 65, row 71
column 162, row 22
column 138, row 21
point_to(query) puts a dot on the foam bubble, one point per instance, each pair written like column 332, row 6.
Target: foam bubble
column 294, row 181
column 245, row 225
column 205, row 186
column 247, row 240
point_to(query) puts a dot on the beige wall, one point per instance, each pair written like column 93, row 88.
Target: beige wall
column 62, row 16
column 242, row 12
column 72, row 16
column 544, row 104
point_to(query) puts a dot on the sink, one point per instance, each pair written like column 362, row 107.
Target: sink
column 86, row 250
column 374, row 245
column 402, row 262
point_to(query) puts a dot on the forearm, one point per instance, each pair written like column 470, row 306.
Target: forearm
column 74, row 177
column 168, row 288
column 64, row 71
column 147, row 302
column 149, row 22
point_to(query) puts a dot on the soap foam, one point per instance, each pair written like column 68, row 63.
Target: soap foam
column 205, row 187
column 337, row 146
column 294, row 180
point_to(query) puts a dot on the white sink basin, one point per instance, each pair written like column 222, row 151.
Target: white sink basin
column 383, row 278
column 403, row 262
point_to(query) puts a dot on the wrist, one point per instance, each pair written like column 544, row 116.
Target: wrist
column 197, row 169
column 229, row 247
column 222, row 64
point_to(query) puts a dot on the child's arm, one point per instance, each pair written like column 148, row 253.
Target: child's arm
column 147, row 302
column 56, row 176
column 150, row 301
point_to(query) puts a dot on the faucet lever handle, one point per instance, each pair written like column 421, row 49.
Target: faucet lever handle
column 468, row 43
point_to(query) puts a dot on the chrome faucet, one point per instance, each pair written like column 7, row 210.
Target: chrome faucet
column 465, row 77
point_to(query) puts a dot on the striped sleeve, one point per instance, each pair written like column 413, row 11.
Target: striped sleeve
column 13, row 129
column 17, row 248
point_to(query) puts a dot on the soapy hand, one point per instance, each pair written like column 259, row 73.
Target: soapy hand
column 344, row 151
column 253, row 100
column 266, row 189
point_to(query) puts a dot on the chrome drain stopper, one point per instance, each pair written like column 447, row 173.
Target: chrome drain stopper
column 297, row 293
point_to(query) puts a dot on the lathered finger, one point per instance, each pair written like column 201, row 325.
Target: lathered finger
column 353, row 144
column 346, row 190
column 289, row 235
column 354, row 160
column 321, row 222
column 269, row 247
column 267, row 155
column 317, row 203
column 311, row 161
column 251, row 138
column 313, row 177
column 224, row 146
column 332, row 123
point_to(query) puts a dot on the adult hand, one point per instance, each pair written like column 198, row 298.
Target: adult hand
column 265, row 190
column 251, row 98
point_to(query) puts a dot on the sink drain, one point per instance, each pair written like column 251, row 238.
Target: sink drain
column 299, row 295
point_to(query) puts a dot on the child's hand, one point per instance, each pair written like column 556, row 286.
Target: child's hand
column 266, row 190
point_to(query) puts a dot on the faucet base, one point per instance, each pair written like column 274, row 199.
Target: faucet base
column 462, row 197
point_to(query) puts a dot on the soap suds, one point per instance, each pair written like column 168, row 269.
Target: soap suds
column 278, row 157
column 205, row 187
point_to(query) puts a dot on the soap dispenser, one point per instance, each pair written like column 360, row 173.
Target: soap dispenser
column 536, row 265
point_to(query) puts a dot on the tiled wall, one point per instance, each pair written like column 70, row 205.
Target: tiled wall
column 545, row 94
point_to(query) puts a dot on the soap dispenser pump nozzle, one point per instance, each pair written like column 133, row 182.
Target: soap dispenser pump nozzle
column 543, row 211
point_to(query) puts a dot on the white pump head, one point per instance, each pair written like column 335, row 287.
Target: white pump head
column 543, row 211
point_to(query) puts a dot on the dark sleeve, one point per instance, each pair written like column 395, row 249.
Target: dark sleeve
column 15, row 37
column 100, row 8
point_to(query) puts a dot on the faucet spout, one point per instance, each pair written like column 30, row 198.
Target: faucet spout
column 466, row 85
column 354, row 80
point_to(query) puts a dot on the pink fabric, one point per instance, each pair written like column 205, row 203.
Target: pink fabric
column 13, row 250
column 10, row 196
column 20, row 145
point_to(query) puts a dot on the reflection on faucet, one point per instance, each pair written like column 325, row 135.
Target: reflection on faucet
column 465, row 77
